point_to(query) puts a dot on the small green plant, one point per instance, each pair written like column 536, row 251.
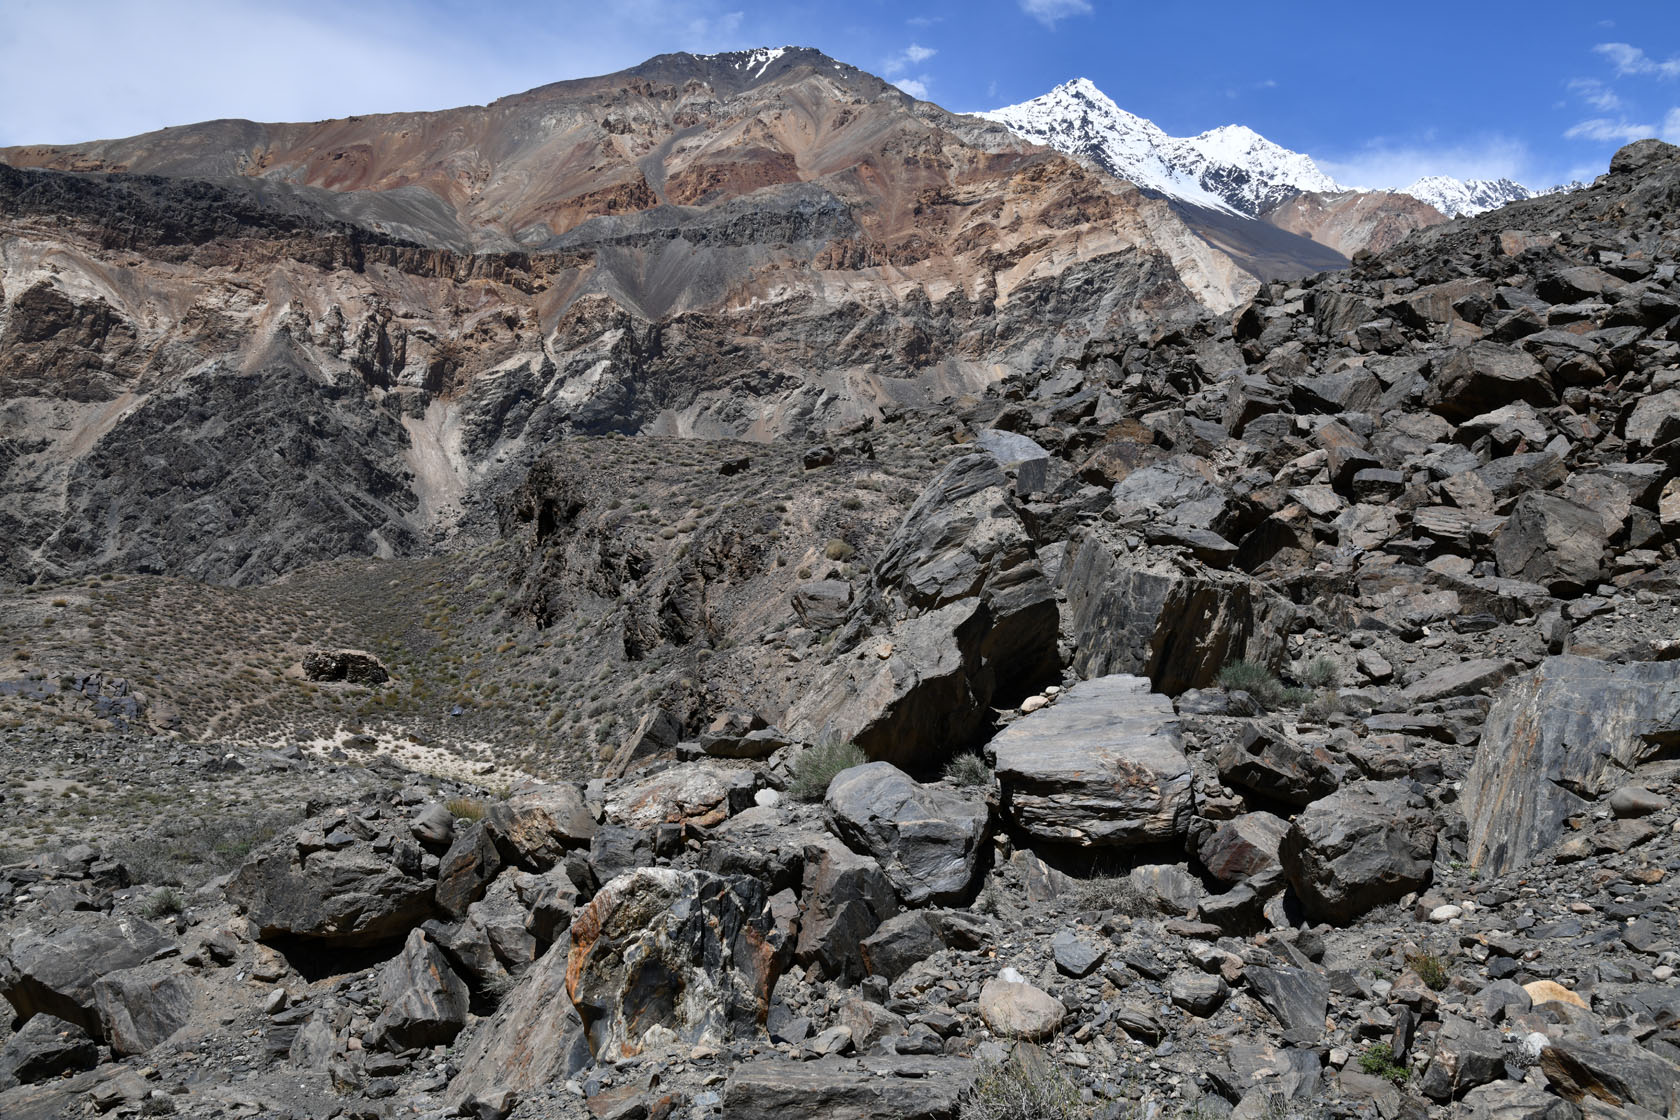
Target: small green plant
column 163, row 902
column 837, row 549
column 1321, row 672
column 1431, row 969
column 1117, row 893
column 466, row 808
column 813, row 770
column 1018, row 1090
column 1259, row 682
column 969, row 771
column 1378, row 1061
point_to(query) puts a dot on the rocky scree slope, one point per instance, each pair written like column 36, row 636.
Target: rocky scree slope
column 1355, row 796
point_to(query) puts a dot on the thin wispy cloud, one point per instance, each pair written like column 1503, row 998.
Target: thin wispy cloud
column 1052, row 12
column 1389, row 163
column 897, row 70
column 139, row 69
column 1596, row 94
column 1605, row 131
column 1630, row 60
column 910, row 56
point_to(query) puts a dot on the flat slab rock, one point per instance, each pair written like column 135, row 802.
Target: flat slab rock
column 875, row 1088
column 1103, row 766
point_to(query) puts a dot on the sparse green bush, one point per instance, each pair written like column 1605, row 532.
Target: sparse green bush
column 198, row 851
column 837, row 549
column 163, row 902
column 816, row 767
column 969, row 771
column 1118, row 894
column 1321, row 672
column 1259, row 682
column 1378, row 1061
column 1018, row 1090
column 466, row 808
column 1431, row 969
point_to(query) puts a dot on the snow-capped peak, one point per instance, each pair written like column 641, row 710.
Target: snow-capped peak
column 1232, row 168
column 1465, row 197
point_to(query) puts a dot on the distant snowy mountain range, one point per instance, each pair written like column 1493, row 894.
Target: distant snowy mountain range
column 1232, row 168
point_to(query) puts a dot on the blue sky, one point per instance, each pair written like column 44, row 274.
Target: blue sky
column 1377, row 93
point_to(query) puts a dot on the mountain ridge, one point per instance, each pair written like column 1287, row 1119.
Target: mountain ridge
column 1231, row 167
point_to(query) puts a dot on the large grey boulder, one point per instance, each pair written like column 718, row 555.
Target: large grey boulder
column 46, row 1046
column 1486, row 375
column 844, row 898
column 1242, row 847
column 1614, row 1070
column 423, row 1002
column 823, row 604
column 539, row 824
column 331, row 884
column 1367, row 844
column 466, row 869
column 690, row 953
column 1264, row 761
column 1553, row 542
column 908, row 696
column 976, row 616
column 51, row 968
column 1103, row 766
column 534, row 1038
column 1014, row 1009
column 142, row 1006
column 928, row 839
column 1555, row 740
column 1158, row 616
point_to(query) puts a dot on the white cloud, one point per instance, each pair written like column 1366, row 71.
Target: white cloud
column 1388, row 163
column 1605, row 130
column 915, row 87
column 1049, row 12
column 139, row 67
column 1596, row 94
column 1671, row 126
column 1629, row 59
column 906, row 58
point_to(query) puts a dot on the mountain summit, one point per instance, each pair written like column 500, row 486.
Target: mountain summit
column 1231, row 168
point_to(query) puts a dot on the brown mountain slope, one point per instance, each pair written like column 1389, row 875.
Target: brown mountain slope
column 1354, row 220
column 234, row 348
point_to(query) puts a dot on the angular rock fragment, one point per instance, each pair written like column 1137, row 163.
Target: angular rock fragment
column 927, row 839
column 686, row 953
column 1366, row 844
column 141, row 1007
column 1174, row 623
column 51, row 969
column 538, row 824
column 1556, row 739
column 423, row 1002
column 349, row 893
